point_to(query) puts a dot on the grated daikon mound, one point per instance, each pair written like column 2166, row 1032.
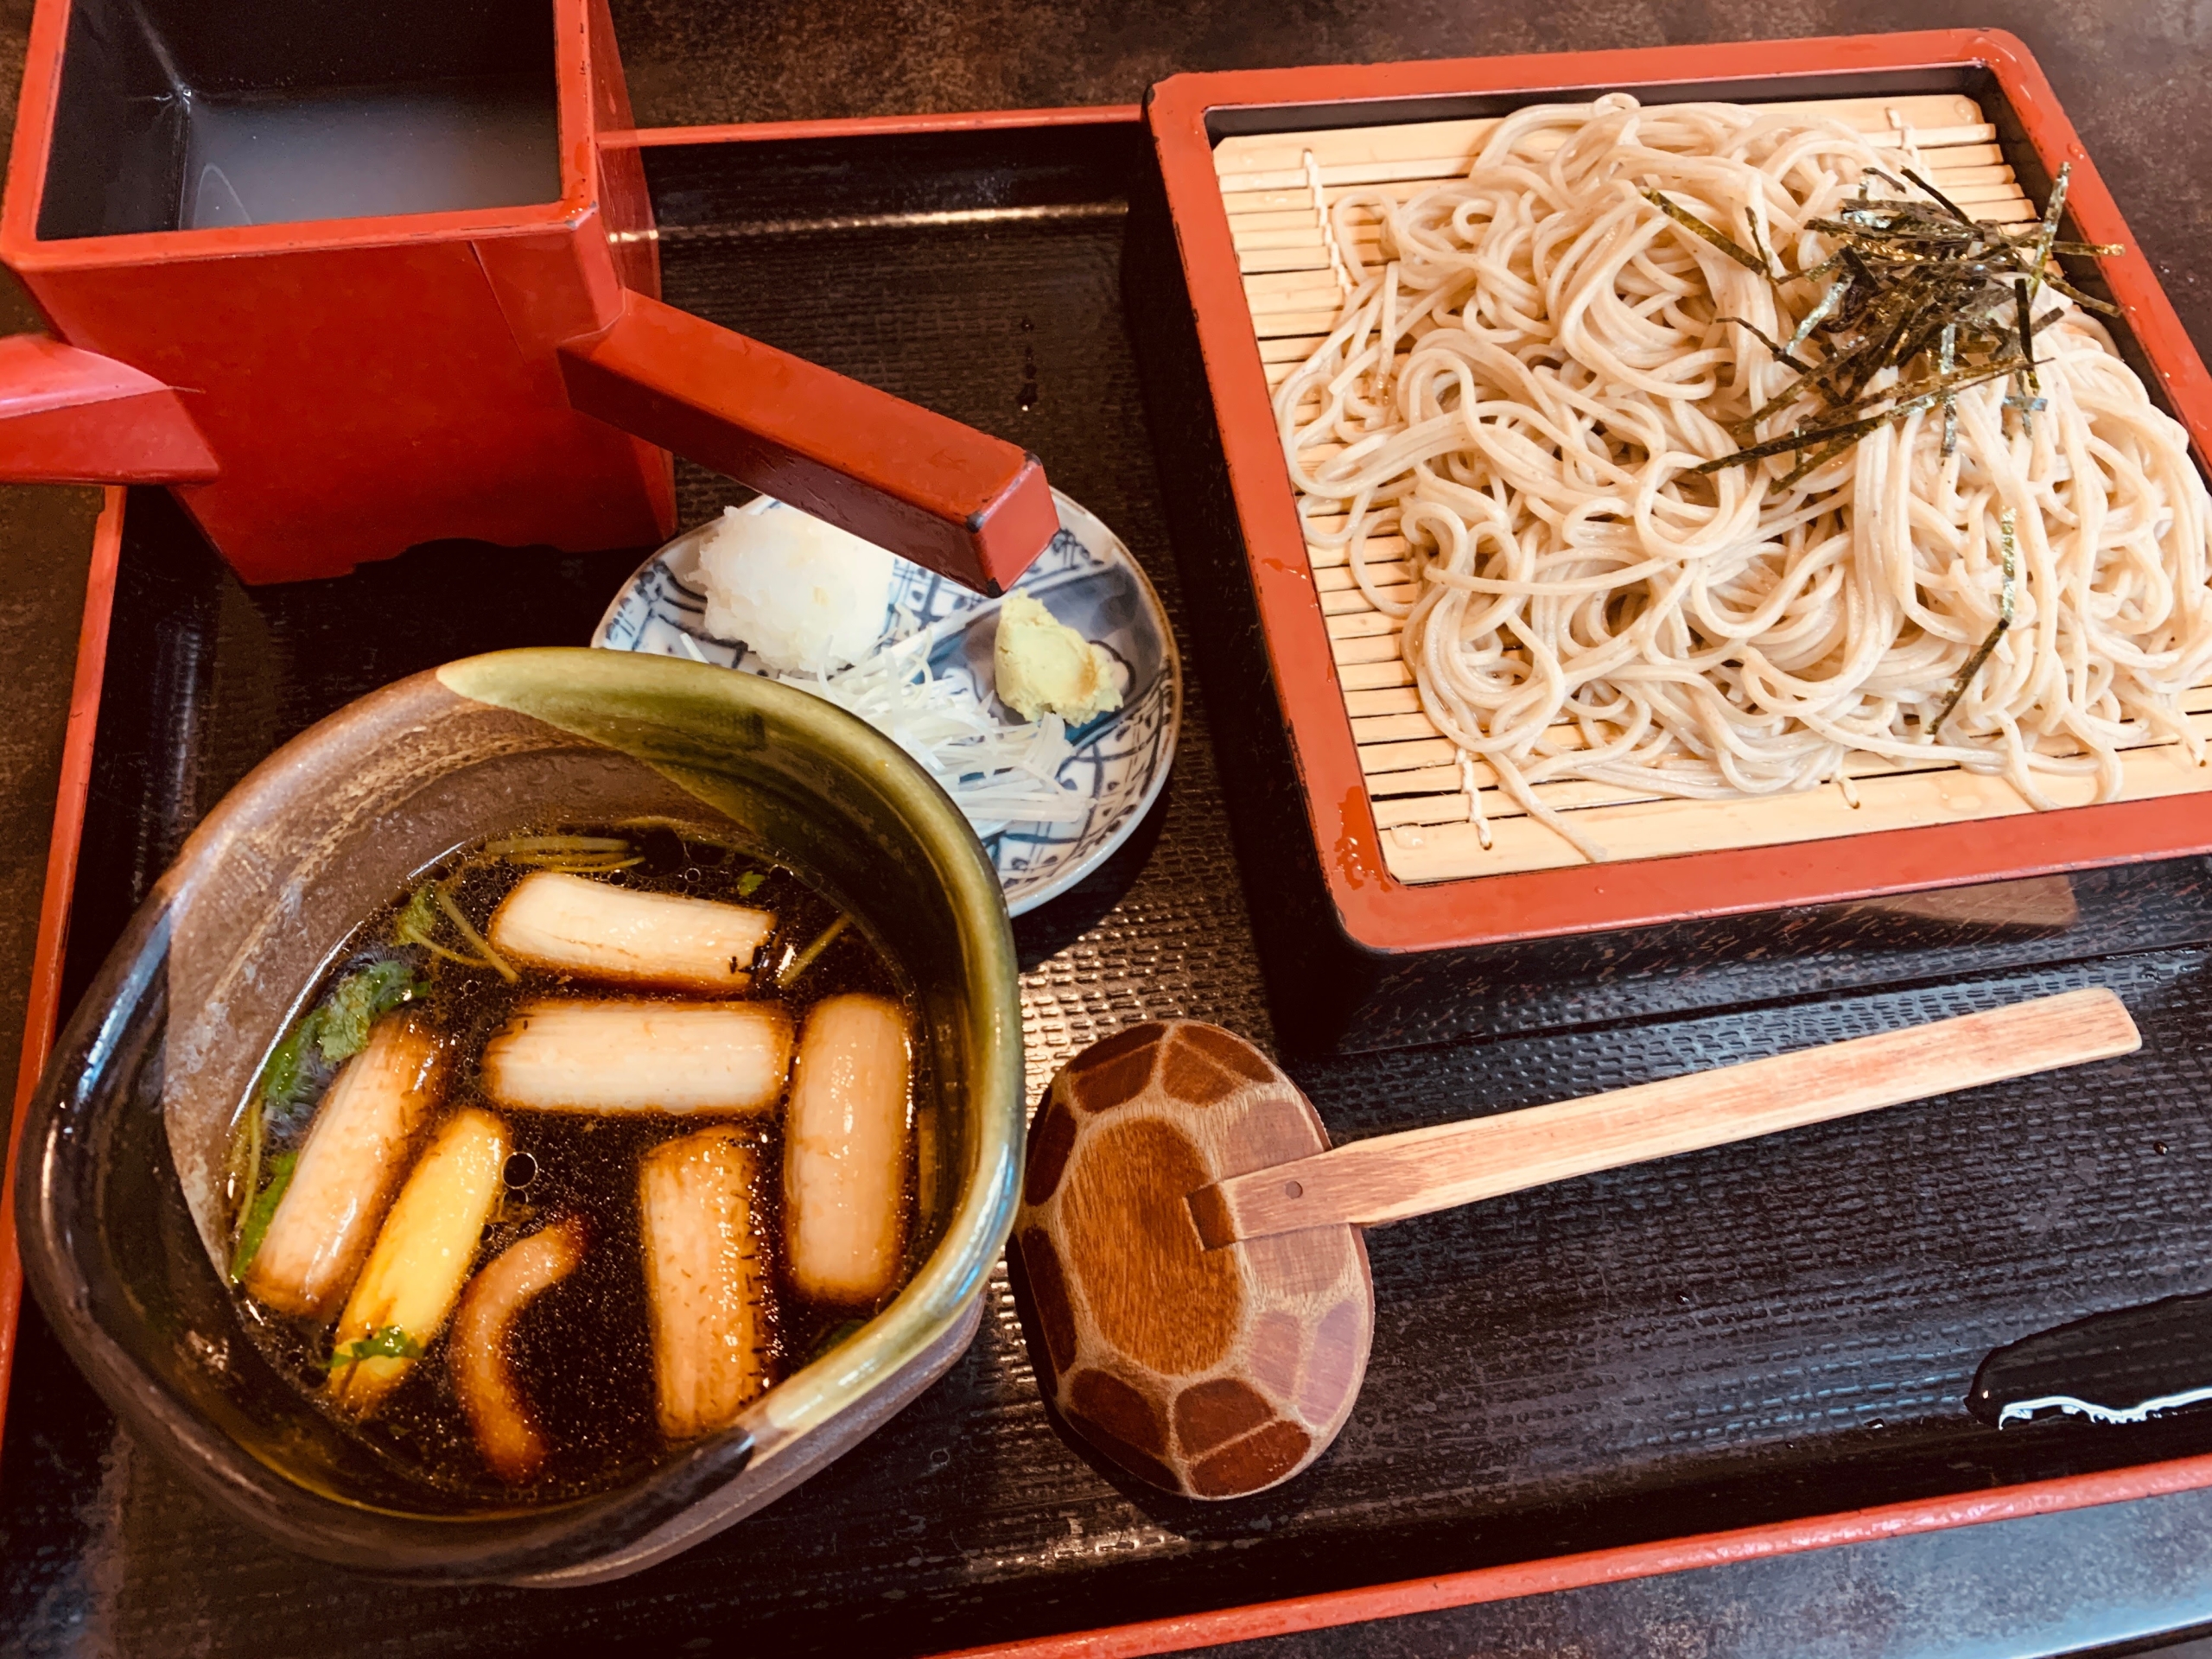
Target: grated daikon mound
column 803, row 594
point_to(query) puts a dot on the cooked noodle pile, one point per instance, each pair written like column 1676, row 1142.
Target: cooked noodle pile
column 1590, row 608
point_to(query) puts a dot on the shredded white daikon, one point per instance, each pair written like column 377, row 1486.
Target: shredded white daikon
column 997, row 774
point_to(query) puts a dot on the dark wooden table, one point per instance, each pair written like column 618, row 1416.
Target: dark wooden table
column 2124, row 1579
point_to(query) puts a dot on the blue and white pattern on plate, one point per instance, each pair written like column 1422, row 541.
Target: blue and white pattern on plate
column 1121, row 760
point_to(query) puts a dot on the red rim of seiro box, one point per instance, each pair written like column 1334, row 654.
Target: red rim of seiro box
column 1188, row 113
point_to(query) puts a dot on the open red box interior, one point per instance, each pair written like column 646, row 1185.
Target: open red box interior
column 471, row 344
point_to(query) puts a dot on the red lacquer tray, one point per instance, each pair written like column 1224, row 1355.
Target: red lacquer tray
column 1017, row 217
column 44, row 1010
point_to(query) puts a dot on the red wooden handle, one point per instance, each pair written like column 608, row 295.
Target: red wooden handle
column 966, row 505
column 72, row 416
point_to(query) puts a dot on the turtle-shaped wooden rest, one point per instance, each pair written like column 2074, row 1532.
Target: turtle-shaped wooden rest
column 1192, row 1245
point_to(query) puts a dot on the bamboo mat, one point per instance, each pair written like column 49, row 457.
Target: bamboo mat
column 1416, row 779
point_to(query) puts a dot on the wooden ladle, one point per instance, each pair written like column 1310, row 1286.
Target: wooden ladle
column 1192, row 1245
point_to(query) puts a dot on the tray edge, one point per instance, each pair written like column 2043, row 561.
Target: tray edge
column 42, row 1015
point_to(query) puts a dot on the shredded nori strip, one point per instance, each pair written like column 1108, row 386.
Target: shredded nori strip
column 1945, row 361
column 1989, row 643
column 1782, row 353
column 1818, row 314
column 1805, row 438
column 2079, row 298
column 1938, row 198
column 1919, row 284
column 1726, row 243
column 1759, row 245
column 2051, row 211
column 1817, row 460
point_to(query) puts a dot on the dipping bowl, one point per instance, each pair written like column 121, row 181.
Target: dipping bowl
column 122, row 1216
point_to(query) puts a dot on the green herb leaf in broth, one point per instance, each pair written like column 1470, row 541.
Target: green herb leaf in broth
column 573, row 863
column 577, row 854
column 242, row 1170
column 751, row 882
column 299, row 1069
column 467, row 929
column 279, row 1167
column 358, row 1002
column 535, row 844
column 429, row 906
column 794, row 965
column 284, row 1084
column 389, row 1342
column 419, row 916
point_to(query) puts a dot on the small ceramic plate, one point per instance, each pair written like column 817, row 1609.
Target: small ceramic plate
column 1091, row 583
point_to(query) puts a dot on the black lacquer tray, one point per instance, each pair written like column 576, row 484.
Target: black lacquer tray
column 1748, row 1336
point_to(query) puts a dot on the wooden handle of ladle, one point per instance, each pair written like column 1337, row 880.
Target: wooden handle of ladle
column 1421, row 1171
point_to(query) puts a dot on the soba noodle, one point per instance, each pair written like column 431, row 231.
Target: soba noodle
column 1589, row 608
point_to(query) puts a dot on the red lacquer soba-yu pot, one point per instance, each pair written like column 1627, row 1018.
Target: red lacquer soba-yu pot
column 353, row 279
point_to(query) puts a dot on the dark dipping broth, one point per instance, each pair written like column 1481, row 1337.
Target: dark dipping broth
column 581, row 1354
